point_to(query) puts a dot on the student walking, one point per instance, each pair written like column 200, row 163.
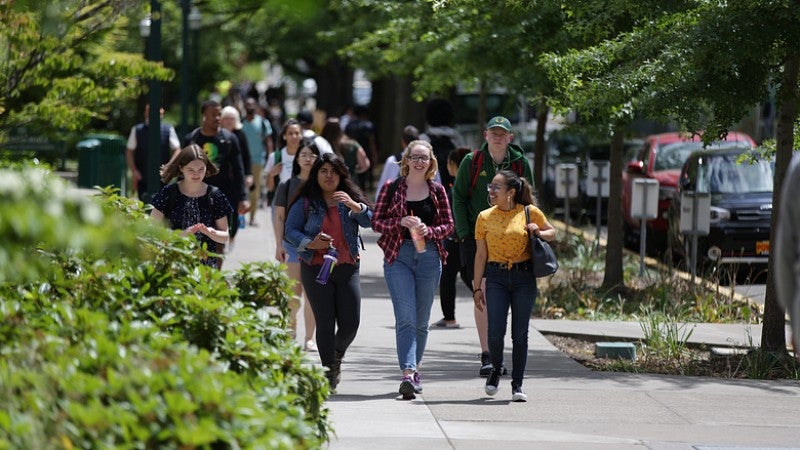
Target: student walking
column 476, row 170
column 413, row 217
column 284, row 251
column 503, row 256
column 190, row 204
column 322, row 224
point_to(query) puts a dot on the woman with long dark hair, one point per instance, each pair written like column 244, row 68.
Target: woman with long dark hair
column 503, row 257
column 323, row 224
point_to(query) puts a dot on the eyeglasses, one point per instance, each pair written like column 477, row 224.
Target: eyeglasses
column 416, row 159
column 494, row 187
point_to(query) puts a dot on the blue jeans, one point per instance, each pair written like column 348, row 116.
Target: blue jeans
column 412, row 280
column 515, row 289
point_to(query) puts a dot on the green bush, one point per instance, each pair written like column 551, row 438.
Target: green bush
column 126, row 341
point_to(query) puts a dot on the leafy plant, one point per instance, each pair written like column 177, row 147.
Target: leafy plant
column 128, row 341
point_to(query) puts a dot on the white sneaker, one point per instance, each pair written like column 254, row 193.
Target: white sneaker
column 310, row 346
column 518, row 395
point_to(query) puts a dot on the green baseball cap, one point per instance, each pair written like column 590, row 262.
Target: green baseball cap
column 499, row 121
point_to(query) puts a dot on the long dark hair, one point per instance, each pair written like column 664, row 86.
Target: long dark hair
column 304, row 143
column 523, row 193
column 312, row 190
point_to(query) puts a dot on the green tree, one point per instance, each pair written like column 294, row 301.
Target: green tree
column 702, row 64
column 58, row 69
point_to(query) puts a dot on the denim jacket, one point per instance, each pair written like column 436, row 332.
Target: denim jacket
column 302, row 227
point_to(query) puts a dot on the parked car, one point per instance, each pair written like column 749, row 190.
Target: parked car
column 661, row 158
column 741, row 207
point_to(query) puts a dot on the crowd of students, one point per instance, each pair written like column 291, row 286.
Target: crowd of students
column 441, row 210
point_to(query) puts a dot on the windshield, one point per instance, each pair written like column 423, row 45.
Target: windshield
column 672, row 156
column 721, row 174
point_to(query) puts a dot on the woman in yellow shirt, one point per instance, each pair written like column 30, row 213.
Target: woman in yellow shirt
column 503, row 257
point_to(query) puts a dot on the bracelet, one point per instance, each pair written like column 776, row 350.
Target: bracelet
column 476, row 290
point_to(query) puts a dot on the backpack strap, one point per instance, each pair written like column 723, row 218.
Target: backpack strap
column 476, row 164
column 393, row 188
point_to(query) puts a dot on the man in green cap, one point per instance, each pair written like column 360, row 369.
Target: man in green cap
column 470, row 197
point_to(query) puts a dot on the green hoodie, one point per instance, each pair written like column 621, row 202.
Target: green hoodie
column 466, row 207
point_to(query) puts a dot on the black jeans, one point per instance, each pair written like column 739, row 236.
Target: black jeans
column 450, row 272
column 337, row 303
column 468, row 249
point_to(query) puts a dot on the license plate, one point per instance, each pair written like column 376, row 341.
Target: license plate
column 762, row 247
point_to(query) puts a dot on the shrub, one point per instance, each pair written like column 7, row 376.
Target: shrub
column 128, row 342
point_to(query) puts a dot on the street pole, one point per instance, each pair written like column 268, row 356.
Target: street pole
column 185, row 55
column 154, row 126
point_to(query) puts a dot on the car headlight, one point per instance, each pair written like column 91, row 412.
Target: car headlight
column 719, row 214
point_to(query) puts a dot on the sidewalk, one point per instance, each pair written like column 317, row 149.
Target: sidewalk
column 569, row 406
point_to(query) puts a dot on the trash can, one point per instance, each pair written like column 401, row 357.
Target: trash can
column 101, row 161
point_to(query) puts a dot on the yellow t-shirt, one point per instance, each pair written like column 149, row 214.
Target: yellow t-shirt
column 505, row 234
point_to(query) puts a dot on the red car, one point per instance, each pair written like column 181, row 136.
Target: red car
column 661, row 158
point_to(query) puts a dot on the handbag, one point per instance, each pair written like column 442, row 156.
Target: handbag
column 543, row 258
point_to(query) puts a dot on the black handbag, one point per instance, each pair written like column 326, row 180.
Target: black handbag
column 543, row 258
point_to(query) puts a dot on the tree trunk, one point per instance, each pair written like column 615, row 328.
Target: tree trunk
column 542, row 111
column 773, row 334
column 334, row 86
column 613, row 280
column 391, row 109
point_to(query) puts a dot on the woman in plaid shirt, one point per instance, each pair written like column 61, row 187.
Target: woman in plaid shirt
column 413, row 203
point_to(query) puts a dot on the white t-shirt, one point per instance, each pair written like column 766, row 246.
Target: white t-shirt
column 286, row 160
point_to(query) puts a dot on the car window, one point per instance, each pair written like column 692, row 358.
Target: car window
column 724, row 175
column 672, row 156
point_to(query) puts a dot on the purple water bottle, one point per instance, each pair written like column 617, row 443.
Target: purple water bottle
column 328, row 261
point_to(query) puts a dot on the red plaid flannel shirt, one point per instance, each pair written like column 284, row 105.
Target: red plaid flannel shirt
column 389, row 212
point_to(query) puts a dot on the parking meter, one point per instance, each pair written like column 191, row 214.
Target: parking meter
column 695, row 220
column 644, row 206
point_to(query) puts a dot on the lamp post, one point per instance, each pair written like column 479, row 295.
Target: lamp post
column 195, row 21
column 150, row 28
column 183, row 127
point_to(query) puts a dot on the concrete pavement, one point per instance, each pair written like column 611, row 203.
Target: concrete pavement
column 569, row 406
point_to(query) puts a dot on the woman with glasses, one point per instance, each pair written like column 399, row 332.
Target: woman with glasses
column 412, row 215
column 323, row 223
column 503, row 257
column 285, row 252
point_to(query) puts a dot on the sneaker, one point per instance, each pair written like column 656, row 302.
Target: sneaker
column 486, row 366
column 446, row 324
column 310, row 346
column 417, row 380
column 407, row 388
column 492, row 382
column 517, row 394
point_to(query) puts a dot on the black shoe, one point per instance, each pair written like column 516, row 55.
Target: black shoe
column 492, row 382
column 517, row 394
column 486, row 366
column 407, row 388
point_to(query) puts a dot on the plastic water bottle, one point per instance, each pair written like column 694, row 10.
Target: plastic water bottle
column 242, row 221
column 328, row 261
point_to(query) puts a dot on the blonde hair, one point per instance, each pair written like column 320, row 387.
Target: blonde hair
column 433, row 167
column 230, row 111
